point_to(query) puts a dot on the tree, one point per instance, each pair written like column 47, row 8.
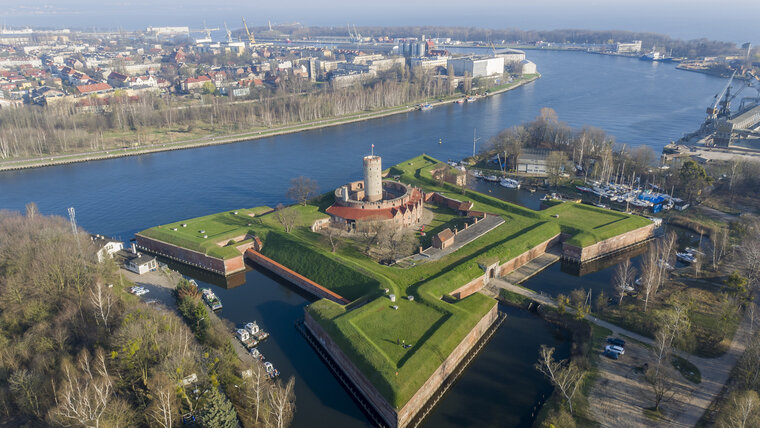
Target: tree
column 282, row 401
column 87, row 390
column 742, row 410
column 209, row 88
column 556, row 162
column 31, row 210
column 625, row 274
column 217, row 411
column 257, row 390
column 694, row 179
column 287, row 216
column 164, row 408
column 736, row 283
column 332, row 236
column 649, row 275
column 564, row 375
column 302, row 189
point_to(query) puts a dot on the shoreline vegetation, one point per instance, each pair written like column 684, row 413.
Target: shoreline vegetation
column 213, row 139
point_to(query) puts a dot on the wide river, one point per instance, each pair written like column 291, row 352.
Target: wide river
column 638, row 102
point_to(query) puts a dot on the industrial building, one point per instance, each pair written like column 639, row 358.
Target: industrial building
column 476, row 66
column 628, row 48
column 726, row 128
column 528, row 67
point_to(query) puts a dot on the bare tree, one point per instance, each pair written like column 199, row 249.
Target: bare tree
column 164, row 406
column 282, row 400
column 625, row 274
column 31, row 210
column 302, row 189
column 86, row 392
column 331, row 235
column 102, row 301
column 564, row 375
column 556, row 162
column 256, row 391
column 719, row 245
column 287, row 216
column 749, row 257
column 649, row 275
column 742, row 410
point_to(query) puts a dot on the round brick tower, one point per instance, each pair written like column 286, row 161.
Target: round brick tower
column 373, row 179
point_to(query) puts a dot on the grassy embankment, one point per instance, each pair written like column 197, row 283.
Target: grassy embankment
column 369, row 334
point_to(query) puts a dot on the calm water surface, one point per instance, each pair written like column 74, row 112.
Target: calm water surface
column 638, row 102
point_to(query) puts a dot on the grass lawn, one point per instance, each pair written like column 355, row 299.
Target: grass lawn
column 367, row 329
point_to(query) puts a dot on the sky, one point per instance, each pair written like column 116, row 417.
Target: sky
column 729, row 20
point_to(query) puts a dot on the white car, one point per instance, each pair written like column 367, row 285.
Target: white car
column 613, row 348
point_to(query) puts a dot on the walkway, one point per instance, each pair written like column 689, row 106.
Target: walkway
column 462, row 238
column 715, row 371
column 535, row 266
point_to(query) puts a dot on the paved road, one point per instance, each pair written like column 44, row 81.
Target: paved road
column 715, row 371
column 462, row 238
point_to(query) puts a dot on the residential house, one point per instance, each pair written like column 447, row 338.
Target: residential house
column 118, row 80
column 93, row 89
column 194, row 83
column 107, row 247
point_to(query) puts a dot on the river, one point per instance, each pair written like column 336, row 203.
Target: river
column 638, row 102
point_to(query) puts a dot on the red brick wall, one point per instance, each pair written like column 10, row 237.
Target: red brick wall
column 608, row 245
column 295, row 278
column 400, row 418
column 190, row 257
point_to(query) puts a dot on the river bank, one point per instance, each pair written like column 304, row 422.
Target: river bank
column 212, row 140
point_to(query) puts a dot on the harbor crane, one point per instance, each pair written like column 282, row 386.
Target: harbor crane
column 723, row 98
column 251, row 39
column 229, row 33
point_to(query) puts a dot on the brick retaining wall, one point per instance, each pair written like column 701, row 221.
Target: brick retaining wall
column 503, row 269
column 294, row 277
column 400, row 418
column 190, row 257
column 602, row 248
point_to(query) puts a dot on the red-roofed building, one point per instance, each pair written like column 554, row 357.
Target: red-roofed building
column 95, row 88
column 194, row 83
column 374, row 200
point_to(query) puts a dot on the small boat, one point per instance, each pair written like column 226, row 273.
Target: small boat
column 211, row 300
column 425, row 107
column 477, row 174
column 510, row 183
column 271, row 371
column 471, row 99
column 459, row 101
column 255, row 331
column 584, row 189
column 601, row 206
column 491, row 178
column 255, row 353
column 686, row 257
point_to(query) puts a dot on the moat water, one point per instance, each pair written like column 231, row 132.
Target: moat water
column 638, row 102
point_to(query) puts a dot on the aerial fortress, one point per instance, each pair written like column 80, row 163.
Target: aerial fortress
column 396, row 331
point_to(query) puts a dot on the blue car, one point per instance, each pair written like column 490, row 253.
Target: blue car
column 611, row 354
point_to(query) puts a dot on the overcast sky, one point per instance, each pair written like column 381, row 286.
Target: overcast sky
column 731, row 20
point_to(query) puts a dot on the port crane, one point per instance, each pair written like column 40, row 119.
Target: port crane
column 251, row 39
column 229, row 33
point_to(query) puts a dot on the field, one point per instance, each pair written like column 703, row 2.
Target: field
column 368, row 330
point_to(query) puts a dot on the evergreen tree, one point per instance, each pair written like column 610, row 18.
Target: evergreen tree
column 217, row 412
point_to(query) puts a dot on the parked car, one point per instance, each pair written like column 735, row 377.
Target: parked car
column 611, row 355
column 615, row 341
column 613, row 348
